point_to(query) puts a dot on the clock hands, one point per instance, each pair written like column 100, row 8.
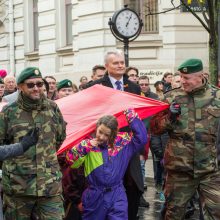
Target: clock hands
column 128, row 20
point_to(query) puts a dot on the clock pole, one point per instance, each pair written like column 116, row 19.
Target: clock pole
column 126, row 46
column 125, row 26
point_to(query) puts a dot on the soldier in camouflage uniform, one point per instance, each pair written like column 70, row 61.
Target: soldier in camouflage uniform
column 190, row 157
column 32, row 182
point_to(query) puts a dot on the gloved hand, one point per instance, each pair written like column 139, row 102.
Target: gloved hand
column 30, row 139
column 175, row 111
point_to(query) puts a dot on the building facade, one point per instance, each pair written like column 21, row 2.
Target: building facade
column 66, row 38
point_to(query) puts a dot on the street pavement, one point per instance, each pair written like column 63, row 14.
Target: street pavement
column 153, row 212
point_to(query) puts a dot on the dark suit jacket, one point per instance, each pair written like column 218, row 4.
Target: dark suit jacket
column 134, row 165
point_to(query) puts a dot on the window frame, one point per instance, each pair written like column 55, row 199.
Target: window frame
column 140, row 9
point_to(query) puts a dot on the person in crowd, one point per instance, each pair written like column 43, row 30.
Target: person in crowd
column 2, row 89
column 106, row 157
column 52, row 94
column 145, row 91
column 83, row 81
column 14, row 150
column 46, row 88
column 64, row 88
column 144, row 83
column 116, row 78
column 11, row 97
column 10, row 85
column 159, row 89
column 157, row 142
column 191, row 156
column 75, row 88
column 167, row 79
column 3, row 73
column 98, row 71
column 176, row 80
column 32, row 183
column 73, row 181
column 132, row 73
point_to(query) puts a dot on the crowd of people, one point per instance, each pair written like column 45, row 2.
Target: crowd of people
column 103, row 177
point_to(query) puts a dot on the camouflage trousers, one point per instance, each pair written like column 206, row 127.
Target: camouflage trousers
column 180, row 187
column 33, row 208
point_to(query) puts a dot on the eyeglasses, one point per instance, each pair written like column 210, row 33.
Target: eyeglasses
column 132, row 75
column 144, row 84
column 32, row 85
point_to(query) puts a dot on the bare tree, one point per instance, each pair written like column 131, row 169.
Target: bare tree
column 210, row 23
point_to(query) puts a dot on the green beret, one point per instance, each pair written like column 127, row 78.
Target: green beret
column 1, row 81
column 191, row 66
column 27, row 73
column 66, row 83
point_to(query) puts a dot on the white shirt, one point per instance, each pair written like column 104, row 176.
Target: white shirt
column 113, row 80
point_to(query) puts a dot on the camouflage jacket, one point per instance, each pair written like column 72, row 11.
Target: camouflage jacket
column 36, row 172
column 192, row 144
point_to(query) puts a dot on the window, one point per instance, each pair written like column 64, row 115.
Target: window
column 145, row 8
column 69, row 36
column 35, row 25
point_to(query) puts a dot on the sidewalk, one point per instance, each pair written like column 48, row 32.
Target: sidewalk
column 149, row 172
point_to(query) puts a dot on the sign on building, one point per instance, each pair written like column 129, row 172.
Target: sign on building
column 195, row 5
column 154, row 74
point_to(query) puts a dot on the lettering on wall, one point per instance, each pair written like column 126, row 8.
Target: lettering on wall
column 154, row 75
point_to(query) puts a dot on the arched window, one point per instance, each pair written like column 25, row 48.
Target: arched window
column 146, row 8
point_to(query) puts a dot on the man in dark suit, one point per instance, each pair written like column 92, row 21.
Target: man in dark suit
column 116, row 78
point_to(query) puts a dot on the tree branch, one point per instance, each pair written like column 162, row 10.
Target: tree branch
column 204, row 13
column 200, row 20
column 163, row 12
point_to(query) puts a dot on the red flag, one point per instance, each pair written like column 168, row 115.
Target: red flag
column 82, row 110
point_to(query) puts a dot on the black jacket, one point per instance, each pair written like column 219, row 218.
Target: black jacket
column 134, row 165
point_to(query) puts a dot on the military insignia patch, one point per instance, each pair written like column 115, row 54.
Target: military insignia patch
column 36, row 72
column 185, row 70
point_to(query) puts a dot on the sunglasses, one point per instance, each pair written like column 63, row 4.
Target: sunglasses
column 32, row 85
column 132, row 75
column 144, row 84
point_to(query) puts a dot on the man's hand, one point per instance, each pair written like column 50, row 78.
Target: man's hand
column 175, row 111
column 30, row 139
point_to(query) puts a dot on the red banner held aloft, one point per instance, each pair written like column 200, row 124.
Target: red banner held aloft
column 82, row 110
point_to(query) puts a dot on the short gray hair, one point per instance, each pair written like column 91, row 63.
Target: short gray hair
column 114, row 52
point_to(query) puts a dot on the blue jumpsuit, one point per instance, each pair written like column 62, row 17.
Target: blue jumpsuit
column 105, row 198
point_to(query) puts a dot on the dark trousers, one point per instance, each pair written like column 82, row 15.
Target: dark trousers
column 133, row 196
column 71, row 212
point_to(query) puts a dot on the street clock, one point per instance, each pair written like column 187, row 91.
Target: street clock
column 126, row 23
column 126, row 26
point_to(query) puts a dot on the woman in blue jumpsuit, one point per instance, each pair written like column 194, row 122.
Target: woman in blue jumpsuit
column 106, row 158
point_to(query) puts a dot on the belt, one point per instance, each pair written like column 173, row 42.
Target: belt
column 106, row 189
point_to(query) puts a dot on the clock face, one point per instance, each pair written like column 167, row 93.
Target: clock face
column 127, row 23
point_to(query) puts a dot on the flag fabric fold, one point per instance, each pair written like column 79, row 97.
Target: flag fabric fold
column 82, row 110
